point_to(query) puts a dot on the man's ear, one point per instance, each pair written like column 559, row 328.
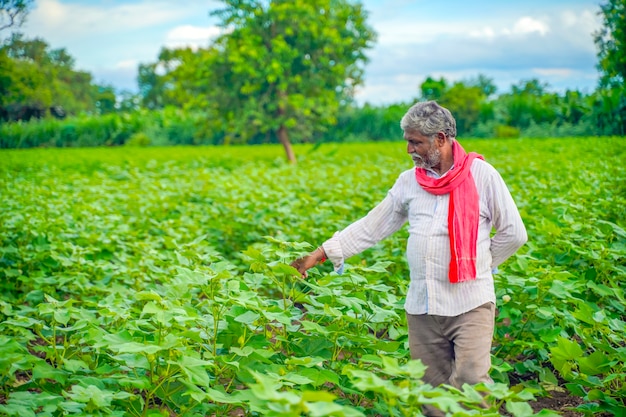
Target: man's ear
column 441, row 138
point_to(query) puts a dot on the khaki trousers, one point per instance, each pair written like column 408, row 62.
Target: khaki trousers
column 456, row 350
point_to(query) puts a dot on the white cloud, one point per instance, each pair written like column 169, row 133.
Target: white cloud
column 528, row 24
column 508, row 41
column 192, row 36
column 553, row 72
column 126, row 64
column 60, row 20
column 486, row 32
column 109, row 39
column 387, row 91
column 585, row 20
column 405, row 31
column 577, row 28
column 577, row 23
column 555, row 47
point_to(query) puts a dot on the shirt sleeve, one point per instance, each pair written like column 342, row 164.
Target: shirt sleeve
column 383, row 220
column 510, row 233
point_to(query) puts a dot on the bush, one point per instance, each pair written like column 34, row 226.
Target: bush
column 493, row 129
column 164, row 127
column 547, row 130
column 504, row 131
column 138, row 139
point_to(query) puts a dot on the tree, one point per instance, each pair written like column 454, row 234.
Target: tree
column 573, row 107
column 36, row 81
column 467, row 100
column 23, row 89
column 610, row 107
column 432, row 89
column 485, row 84
column 105, row 99
column 175, row 79
column 611, row 42
column 13, row 12
column 284, row 65
column 127, row 101
column 529, row 103
column 609, row 111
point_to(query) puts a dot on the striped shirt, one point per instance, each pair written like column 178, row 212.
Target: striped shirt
column 428, row 246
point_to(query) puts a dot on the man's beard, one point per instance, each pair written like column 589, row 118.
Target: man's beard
column 432, row 158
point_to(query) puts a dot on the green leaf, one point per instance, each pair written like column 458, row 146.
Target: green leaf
column 132, row 360
column 519, row 409
column 368, row 381
column 296, row 378
column 546, row 413
column 413, row 368
column 151, row 308
column 62, row 316
column 22, row 321
column 42, row 370
column 25, row 403
column 196, row 369
column 319, row 377
column 249, row 317
column 599, row 316
column 307, row 361
column 565, row 351
column 148, row 295
column 328, row 409
column 136, row 347
column 595, row 364
column 595, row 395
column 315, row 328
column 92, row 395
column 222, row 397
column 284, row 269
column 279, row 316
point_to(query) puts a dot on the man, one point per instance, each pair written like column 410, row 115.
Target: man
column 451, row 201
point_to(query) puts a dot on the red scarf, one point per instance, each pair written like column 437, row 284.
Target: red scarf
column 463, row 211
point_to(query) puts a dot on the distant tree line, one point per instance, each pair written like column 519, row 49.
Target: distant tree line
column 38, row 82
column 270, row 80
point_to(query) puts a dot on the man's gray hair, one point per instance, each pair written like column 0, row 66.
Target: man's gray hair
column 428, row 118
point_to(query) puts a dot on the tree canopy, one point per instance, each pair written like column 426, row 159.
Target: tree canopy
column 175, row 79
column 285, row 65
column 36, row 81
column 611, row 42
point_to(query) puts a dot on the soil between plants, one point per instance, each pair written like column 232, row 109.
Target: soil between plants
column 563, row 403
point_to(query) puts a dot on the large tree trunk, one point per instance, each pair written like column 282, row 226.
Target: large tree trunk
column 283, row 137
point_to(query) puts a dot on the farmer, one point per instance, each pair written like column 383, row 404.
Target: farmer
column 451, row 200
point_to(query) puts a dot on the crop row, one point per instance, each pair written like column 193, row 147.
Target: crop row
column 157, row 282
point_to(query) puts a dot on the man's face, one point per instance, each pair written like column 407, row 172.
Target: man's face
column 425, row 154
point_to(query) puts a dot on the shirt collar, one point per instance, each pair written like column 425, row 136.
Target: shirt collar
column 434, row 174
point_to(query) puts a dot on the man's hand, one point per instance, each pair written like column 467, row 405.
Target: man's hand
column 309, row 261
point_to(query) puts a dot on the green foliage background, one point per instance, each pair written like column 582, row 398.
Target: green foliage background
column 262, row 81
column 155, row 281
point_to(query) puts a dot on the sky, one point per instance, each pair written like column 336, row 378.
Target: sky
column 508, row 41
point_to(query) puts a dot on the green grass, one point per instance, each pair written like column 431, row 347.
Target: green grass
column 155, row 281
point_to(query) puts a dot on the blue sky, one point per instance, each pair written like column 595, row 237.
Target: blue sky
column 507, row 40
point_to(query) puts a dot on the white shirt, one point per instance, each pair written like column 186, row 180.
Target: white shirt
column 428, row 246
